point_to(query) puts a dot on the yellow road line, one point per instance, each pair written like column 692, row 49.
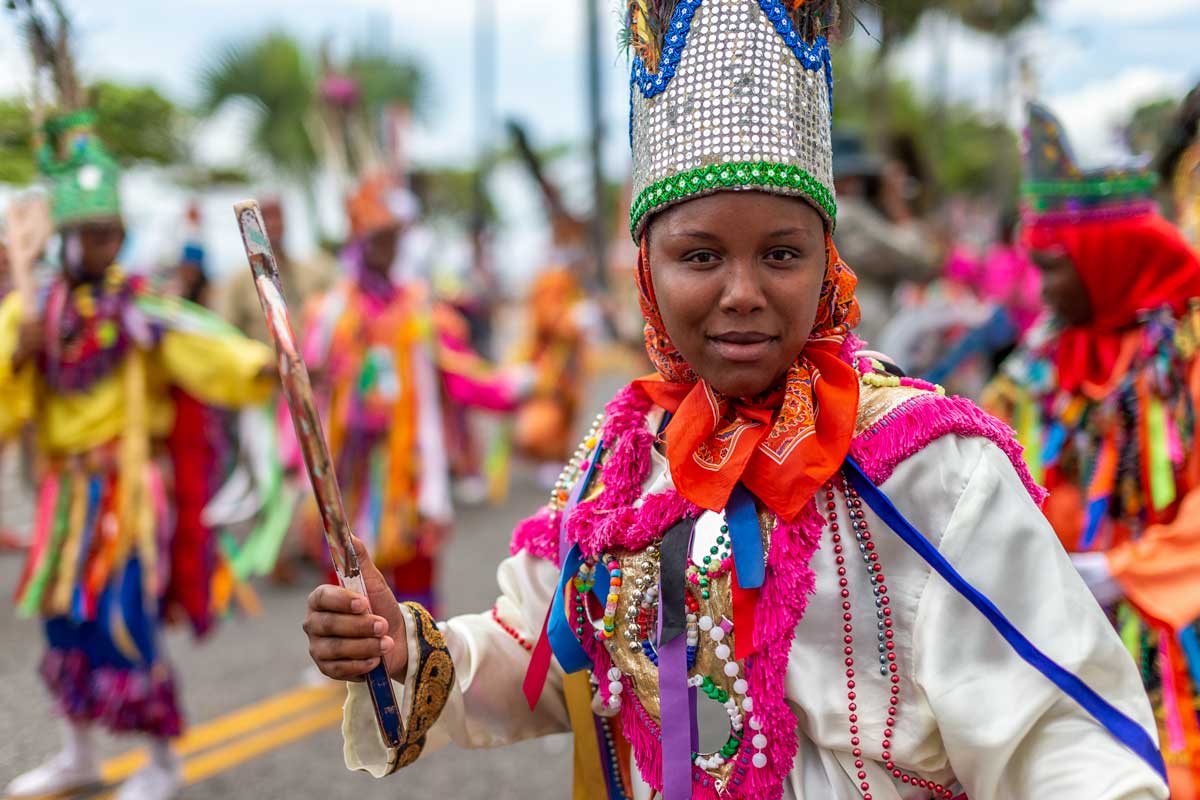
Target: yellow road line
column 299, row 704
column 224, row 758
column 227, row 727
column 231, row 755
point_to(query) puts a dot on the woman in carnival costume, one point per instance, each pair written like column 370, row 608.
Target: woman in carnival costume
column 386, row 366
column 106, row 372
column 1105, row 400
column 721, row 537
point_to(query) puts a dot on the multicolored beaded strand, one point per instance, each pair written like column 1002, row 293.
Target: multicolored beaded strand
column 614, row 596
column 576, row 466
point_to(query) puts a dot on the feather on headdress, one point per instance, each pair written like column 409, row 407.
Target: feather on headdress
column 647, row 22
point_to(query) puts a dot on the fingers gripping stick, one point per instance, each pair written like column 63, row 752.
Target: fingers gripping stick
column 298, row 391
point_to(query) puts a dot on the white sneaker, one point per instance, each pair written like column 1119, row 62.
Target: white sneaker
column 153, row 782
column 62, row 773
column 472, row 490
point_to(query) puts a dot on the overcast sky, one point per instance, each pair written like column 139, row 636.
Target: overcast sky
column 1094, row 60
column 1093, row 57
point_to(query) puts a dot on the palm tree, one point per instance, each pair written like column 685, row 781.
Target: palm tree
column 278, row 78
column 900, row 19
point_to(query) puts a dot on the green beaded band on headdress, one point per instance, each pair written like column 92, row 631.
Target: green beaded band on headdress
column 749, row 175
column 1055, row 184
column 1044, row 195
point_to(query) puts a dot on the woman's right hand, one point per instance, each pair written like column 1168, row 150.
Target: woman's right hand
column 348, row 634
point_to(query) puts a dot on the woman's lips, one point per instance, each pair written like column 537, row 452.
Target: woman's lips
column 742, row 346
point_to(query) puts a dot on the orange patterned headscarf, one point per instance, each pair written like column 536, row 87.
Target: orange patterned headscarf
column 783, row 445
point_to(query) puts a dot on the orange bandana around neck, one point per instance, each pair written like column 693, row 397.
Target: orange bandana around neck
column 783, row 445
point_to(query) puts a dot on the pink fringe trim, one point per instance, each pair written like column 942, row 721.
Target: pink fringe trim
column 608, row 520
column 911, row 427
column 781, row 605
column 537, row 536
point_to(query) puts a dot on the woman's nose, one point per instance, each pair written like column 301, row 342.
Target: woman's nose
column 743, row 291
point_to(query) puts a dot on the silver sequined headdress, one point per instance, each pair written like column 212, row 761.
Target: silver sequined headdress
column 727, row 95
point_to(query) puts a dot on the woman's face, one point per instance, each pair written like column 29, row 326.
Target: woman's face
column 1063, row 291
column 380, row 250
column 92, row 247
column 738, row 277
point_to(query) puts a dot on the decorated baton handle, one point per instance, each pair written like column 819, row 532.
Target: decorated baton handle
column 298, row 391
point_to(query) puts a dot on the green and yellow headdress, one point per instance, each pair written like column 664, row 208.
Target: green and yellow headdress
column 84, row 178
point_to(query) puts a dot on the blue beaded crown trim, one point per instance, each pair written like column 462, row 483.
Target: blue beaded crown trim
column 812, row 56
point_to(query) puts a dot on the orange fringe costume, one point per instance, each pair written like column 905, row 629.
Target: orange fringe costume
column 556, row 348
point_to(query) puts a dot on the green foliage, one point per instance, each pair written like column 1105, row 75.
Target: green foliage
column 855, row 85
column 276, row 75
column 16, row 143
column 198, row 178
column 386, row 80
column 136, row 123
column 995, row 17
column 900, row 19
column 449, row 193
column 1149, row 125
column 977, row 154
column 965, row 151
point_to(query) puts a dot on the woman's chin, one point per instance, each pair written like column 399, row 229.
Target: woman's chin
column 741, row 381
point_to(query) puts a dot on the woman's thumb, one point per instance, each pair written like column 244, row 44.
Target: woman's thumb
column 372, row 577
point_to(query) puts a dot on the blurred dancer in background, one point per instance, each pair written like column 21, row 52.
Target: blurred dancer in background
column 1105, row 400
column 190, row 279
column 561, row 320
column 383, row 366
column 1178, row 167
column 100, row 366
column 877, row 230
column 12, row 488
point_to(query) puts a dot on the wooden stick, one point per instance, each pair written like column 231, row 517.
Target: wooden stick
column 299, row 395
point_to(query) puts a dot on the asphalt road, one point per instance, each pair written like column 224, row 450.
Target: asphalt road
column 291, row 747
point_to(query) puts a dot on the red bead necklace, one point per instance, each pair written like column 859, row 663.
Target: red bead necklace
column 511, row 631
column 887, row 655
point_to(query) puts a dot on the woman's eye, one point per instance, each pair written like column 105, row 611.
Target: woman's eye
column 701, row 257
column 781, row 254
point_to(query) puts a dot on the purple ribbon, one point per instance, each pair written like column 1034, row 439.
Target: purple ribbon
column 677, row 701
